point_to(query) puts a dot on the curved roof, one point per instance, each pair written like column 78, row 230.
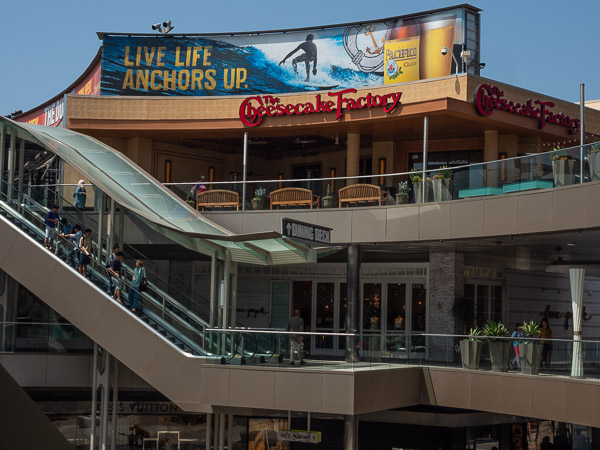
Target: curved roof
column 135, row 189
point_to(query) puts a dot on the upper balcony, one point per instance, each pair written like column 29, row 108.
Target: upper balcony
column 544, row 192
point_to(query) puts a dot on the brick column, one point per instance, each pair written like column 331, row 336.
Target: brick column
column 446, row 282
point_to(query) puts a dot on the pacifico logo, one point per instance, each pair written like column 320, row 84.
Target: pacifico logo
column 488, row 98
column 254, row 109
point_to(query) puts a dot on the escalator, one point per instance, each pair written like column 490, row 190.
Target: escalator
column 168, row 317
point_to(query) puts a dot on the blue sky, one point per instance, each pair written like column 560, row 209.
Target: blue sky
column 546, row 46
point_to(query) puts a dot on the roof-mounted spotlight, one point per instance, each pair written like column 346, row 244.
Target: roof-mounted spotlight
column 163, row 28
column 167, row 27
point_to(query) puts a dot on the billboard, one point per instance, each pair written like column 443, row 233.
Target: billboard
column 52, row 114
column 352, row 56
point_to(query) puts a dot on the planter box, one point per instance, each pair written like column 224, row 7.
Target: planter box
column 401, row 199
column 470, row 354
column 327, row 202
column 258, row 203
column 442, row 189
column 594, row 162
column 564, row 172
column 530, row 357
column 499, row 355
column 419, row 193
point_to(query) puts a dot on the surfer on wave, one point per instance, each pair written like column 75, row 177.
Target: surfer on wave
column 309, row 55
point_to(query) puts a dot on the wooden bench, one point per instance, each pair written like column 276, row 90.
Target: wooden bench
column 360, row 193
column 217, row 198
column 294, row 197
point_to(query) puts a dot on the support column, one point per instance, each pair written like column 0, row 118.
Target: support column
column 94, row 398
column 352, row 157
column 12, row 149
column 230, row 432
column 350, row 433
column 490, row 153
column 446, row 283
column 234, row 280
column 209, row 423
column 222, row 432
column 2, row 155
column 353, row 309
column 216, row 428
column 100, row 236
column 577, row 278
column 115, row 398
column 111, row 225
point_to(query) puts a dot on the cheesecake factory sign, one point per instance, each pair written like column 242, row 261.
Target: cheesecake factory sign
column 489, row 98
column 254, row 109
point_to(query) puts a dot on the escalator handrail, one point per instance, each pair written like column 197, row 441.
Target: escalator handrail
column 129, row 271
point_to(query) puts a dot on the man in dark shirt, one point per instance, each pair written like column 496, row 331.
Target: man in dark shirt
column 114, row 269
column 296, row 323
column 310, row 55
column 50, row 222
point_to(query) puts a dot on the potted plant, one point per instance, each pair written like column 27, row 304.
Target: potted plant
column 563, row 168
column 470, row 349
column 499, row 348
column 594, row 161
column 402, row 194
column 530, row 352
column 442, row 185
column 327, row 200
column 416, row 178
column 258, row 202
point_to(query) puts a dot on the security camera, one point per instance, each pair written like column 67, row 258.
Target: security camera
column 156, row 26
column 444, row 50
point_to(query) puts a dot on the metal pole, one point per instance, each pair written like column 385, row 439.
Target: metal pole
column 121, row 225
column 425, row 144
column 21, row 170
column 94, row 397
column 308, row 421
column 2, row 153
column 208, row 440
column 111, row 235
column 244, row 171
column 113, row 437
column 100, row 225
column 104, row 414
column 233, row 317
column 350, row 432
column 581, row 129
column 11, row 166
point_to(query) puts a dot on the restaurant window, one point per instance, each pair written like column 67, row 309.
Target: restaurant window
column 487, row 301
column 168, row 171
column 365, row 167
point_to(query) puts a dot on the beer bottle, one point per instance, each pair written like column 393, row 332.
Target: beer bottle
column 402, row 52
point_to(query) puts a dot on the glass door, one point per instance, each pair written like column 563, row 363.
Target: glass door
column 302, row 301
column 325, row 319
column 395, row 323
column 418, row 319
column 371, row 320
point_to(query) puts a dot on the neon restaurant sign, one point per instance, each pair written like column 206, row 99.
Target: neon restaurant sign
column 254, row 109
column 489, row 98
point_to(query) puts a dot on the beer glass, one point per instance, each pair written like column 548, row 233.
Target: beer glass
column 436, row 32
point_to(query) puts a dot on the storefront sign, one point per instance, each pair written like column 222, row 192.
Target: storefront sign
column 488, row 98
column 310, row 437
column 252, row 115
column 359, row 55
column 548, row 313
column 306, row 232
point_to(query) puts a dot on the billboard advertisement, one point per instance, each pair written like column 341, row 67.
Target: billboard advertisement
column 263, row 434
column 52, row 114
column 352, row 56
